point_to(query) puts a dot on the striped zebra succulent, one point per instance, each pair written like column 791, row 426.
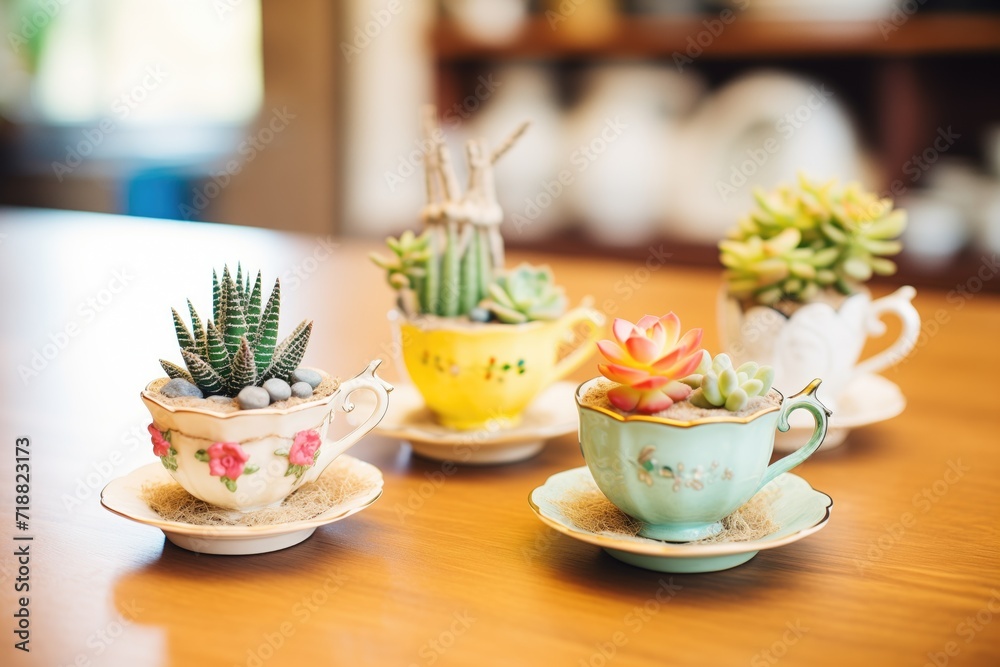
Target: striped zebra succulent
column 239, row 347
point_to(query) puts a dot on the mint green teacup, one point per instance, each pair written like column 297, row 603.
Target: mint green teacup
column 682, row 478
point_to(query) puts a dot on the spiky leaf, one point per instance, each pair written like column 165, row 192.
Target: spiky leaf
column 288, row 355
column 217, row 304
column 236, row 324
column 242, row 371
column 253, row 308
column 198, row 331
column 267, row 331
column 218, row 355
column 204, row 375
column 184, row 337
column 174, row 371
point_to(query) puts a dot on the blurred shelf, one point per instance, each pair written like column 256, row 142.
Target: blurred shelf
column 950, row 276
column 933, row 34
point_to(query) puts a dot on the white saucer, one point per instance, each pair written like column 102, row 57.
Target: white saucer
column 868, row 399
column 797, row 508
column 551, row 414
column 122, row 496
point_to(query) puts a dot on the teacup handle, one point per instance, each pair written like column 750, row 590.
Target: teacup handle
column 367, row 379
column 594, row 322
column 899, row 303
column 805, row 400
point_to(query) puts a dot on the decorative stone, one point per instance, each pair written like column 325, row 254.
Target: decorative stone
column 302, row 390
column 306, row 375
column 179, row 388
column 220, row 399
column 277, row 389
column 253, row 398
column 478, row 314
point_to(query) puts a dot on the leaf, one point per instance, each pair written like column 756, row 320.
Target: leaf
column 184, row 337
column 201, row 455
column 253, row 309
column 204, row 375
column 220, row 317
column 217, row 306
column 236, row 324
column 198, row 331
column 250, row 469
column 263, row 343
column 242, row 371
column 288, row 355
column 174, row 371
column 218, row 355
column 281, row 452
column 230, row 484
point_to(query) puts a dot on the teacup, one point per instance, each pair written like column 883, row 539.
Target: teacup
column 472, row 374
column 251, row 459
column 682, row 478
column 818, row 340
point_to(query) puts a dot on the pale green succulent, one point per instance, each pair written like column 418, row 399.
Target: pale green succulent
column 405, row 269
column 800, row 241
column 525, row 294
column 717, row 384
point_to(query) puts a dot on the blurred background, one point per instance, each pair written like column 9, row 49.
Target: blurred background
column 652, row 120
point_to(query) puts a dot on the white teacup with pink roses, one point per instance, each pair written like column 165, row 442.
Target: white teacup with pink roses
column 252, row 459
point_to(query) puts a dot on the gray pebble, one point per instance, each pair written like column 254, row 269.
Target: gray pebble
column 179, row 387
column 479, row 315
column 253, row 398
column 306, row 375
column 277, row 389
column 220, row 399
column 302, row 390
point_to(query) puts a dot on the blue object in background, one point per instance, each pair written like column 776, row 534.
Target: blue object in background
column 158, row 192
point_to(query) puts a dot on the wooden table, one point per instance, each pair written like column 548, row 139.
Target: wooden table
column 906, row 573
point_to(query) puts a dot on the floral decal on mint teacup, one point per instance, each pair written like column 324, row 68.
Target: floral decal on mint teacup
column 303, row 452
column 162, row 447
column 227, row 461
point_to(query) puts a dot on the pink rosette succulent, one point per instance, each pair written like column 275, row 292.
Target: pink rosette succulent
column 304, row 448
column 226, row 459
column 648, row 361
column 161, row 446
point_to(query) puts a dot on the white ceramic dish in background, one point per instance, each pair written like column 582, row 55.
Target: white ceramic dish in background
column 798, row 510
column 551, row 414
column 869, row 399
column 122, row 496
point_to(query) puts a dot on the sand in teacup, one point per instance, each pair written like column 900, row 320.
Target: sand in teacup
column 597, row 397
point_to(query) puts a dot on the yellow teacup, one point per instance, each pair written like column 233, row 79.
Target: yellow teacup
column 473, row 373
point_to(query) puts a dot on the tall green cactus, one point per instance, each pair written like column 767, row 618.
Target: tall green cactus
column 239, row 346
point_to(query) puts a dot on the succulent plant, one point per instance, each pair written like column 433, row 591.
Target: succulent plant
column 525, row 294
column 649, row 359
column 798, row 242
column 717, row 384
column 239, row 346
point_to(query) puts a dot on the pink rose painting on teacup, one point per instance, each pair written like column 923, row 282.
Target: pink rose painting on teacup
column 227, row 461
column 303, row 452
column 161, row 446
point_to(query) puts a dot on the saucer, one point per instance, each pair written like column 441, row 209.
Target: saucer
column 797, row 508
column 551, row 414
column 123, row 497
column 868, row 399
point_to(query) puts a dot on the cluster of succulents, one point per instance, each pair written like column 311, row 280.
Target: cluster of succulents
column 800, row 241
column 455, row 268
column 717, row 384
column 649, row 360
column 238, row 350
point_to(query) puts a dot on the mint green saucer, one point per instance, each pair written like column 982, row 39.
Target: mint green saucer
column 797, row 508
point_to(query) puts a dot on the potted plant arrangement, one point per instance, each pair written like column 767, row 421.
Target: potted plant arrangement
column 241, row 425
column 677, row 439
column 478, row 340
column 794, row 294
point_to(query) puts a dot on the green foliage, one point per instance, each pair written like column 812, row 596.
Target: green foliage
column 238, row 347
column 717, row 384
column 798, row 242
column 525, row 294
